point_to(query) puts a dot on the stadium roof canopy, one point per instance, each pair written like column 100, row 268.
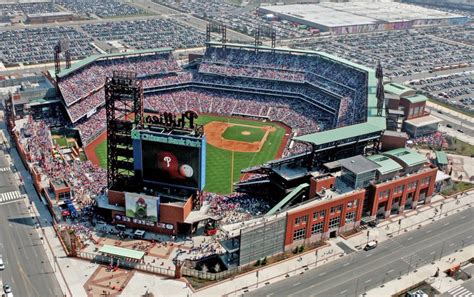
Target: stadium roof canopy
column 84, row 62
column 121, row 252
column 399, row 90
column 387, row 165
column 441, row 158
column 416, row 99
column 406, row 156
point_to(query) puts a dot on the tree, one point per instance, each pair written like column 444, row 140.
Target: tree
column 264, row 261
column 257, row 263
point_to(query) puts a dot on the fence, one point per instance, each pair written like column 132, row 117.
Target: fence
column 127, row 264
column 210, row 275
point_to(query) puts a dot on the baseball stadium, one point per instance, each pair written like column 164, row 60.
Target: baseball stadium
column 256, row 106
column 235, row 139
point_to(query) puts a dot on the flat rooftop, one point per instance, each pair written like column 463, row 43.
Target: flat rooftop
column 359, row 164
column 387, row 165
column 407, row 156
column 424, row 121
column 332, row 14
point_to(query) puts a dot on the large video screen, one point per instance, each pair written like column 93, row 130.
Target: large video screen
column 142, row 207
column 171, row 164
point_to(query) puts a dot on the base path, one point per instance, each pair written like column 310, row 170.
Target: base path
column 215, row 130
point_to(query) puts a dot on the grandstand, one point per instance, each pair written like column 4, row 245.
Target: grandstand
column 309, row 91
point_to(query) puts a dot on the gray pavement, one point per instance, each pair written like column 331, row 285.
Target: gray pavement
column 464, row 290
column 27, row 269
column 359, row 272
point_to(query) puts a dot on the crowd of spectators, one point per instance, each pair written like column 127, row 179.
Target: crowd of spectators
column 15, row 9
column 238, row 18
column 236, row 207
column 144, row 34
column 101, row 8
column 436, row 141
column 36, row 45
column 82, row 83
column 298, row 114
column 85, row 179
column 92, row 126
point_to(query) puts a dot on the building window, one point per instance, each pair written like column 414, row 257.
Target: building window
column 350, row 217
column 349, row 204
column 299, row 234
column 317, row 228
column 322, row 214
column 315, row 216
column 336, row 209
column 426, row 180
column 300, row 220
column 334, row 222
column 384, row 194
column 399, row 189
column 412, row 185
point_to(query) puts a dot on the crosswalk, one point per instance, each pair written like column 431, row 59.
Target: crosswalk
column 4, row 169
column 10, row 196
column 460, row 291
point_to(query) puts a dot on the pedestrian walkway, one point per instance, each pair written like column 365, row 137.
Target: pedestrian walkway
column 10, row 196
column 5, row 169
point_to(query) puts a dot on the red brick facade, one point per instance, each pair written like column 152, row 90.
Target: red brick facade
column 322, row 213
column 386, row 195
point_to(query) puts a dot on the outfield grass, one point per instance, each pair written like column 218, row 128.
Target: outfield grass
column 61, row 141
column 220, row 173
column 101, row 153
column 235, row 133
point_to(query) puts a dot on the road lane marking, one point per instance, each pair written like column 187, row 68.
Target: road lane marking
column 446, row 224
column 433, row 252
column 346, row 264
column 390, row 271
column 321, row 274
column 342, row 292
column 452, row 244
column 410, row 238
column 296, row 284
column 368, row 255
column 368, row 281
column 428, row 231
column 463, row 217
column 470, row 236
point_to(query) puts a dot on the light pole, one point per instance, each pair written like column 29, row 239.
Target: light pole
column 357, row 287
column 442, row 250
column 368, row 235
column 316, row 254
column 409, row 265
column 257, row 278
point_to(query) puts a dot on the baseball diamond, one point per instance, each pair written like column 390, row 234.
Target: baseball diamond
column 229, row 150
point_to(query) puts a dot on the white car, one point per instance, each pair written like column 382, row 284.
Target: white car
column 2, row 265
column 7, row 289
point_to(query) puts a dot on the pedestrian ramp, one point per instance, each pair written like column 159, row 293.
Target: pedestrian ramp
column 460, row 291
column 10, row 196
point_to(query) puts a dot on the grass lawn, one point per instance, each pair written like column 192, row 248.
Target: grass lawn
column 223, row 166
column 101, row 153
column 458, row 187
column 61, row 141
column 236, row 133
column 459, row 147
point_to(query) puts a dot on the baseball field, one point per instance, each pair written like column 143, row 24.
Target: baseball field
column 232, row 145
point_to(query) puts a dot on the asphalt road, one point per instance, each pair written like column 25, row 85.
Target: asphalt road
column 27, row 269
column 359, row 272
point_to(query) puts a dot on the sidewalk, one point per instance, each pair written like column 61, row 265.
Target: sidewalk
column 442, row 283
column 412, row 219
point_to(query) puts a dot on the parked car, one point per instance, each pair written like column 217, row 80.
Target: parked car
column 371, row 245
column 373, row 223
column 2, row 265
column 7, row 289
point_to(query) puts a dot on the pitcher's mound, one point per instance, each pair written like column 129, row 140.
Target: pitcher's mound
column 245, row 133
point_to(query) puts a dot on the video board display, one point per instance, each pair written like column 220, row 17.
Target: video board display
column 142, row 207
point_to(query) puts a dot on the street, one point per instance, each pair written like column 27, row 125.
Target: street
column 359, row 272
column 27, row 269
